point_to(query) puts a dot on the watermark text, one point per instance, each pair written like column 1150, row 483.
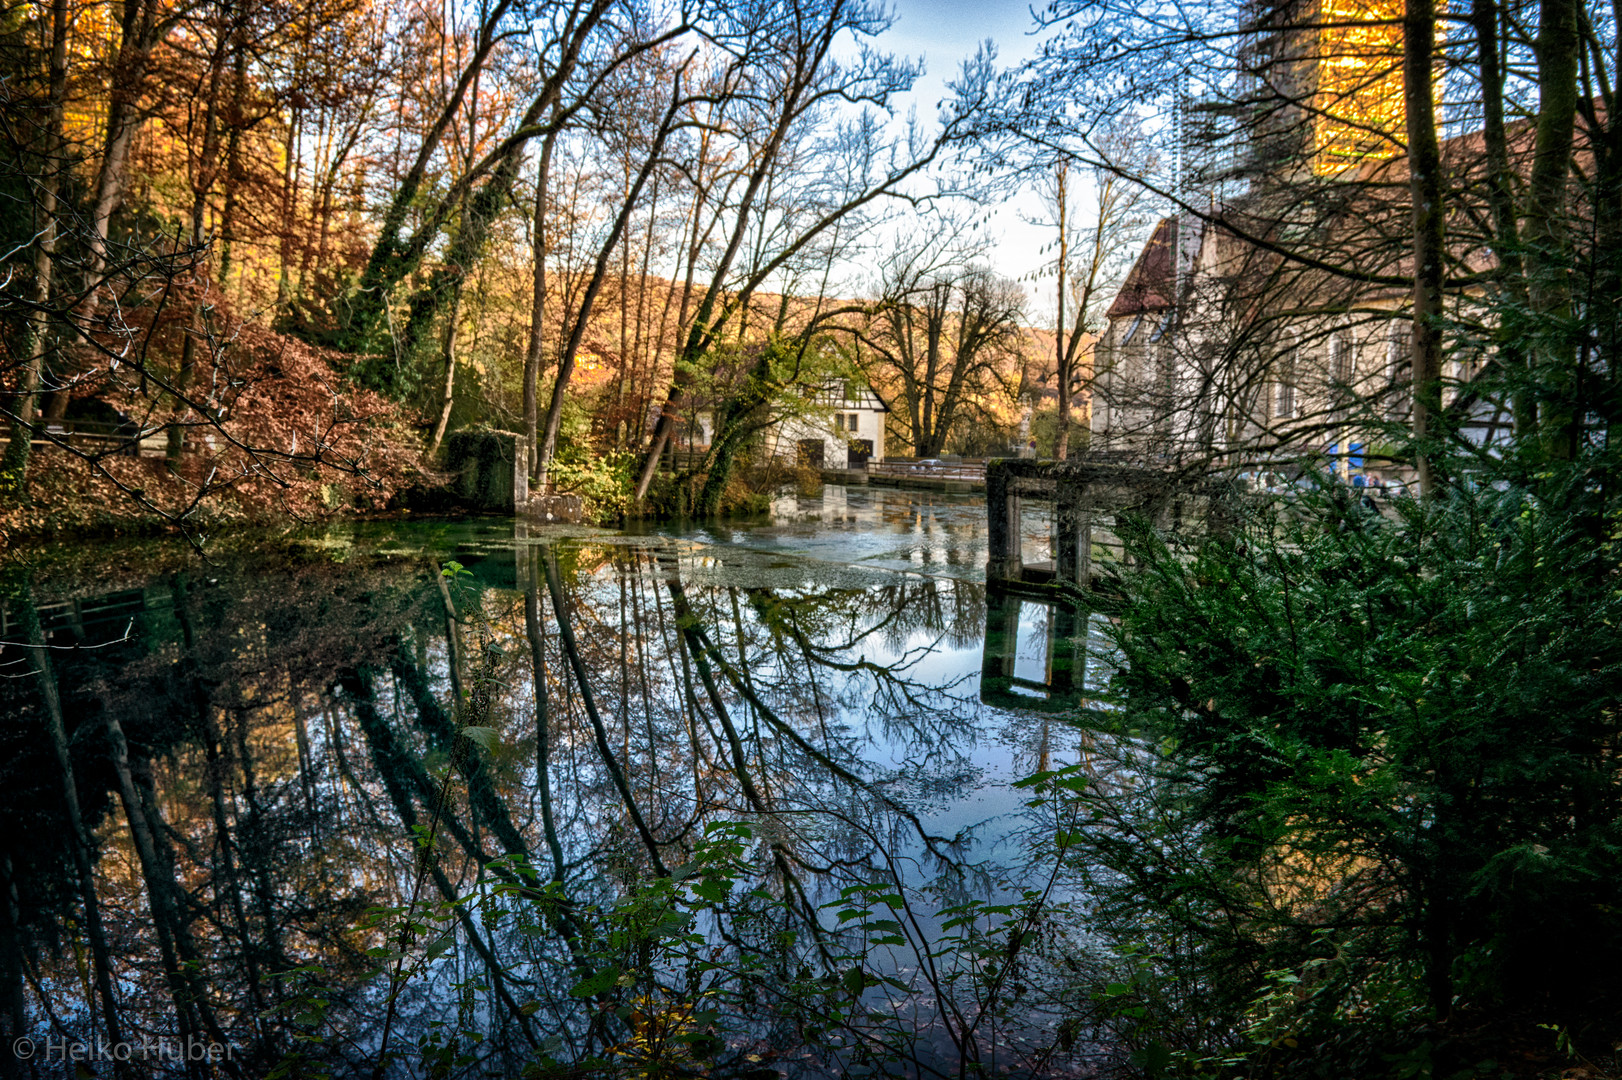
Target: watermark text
column 151, row 1048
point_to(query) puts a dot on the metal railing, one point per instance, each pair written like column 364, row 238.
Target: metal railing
column 929, row 469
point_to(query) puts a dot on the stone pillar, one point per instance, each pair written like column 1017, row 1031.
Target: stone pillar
column 520, row 477
column 521, row 559
column 1072, row 540
column 1002, row 524
column 1084, row 547
column 1001, row 648
column 1065, row 660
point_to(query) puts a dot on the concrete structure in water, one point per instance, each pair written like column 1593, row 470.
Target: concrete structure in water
column 488, row 474
column 1087, row 498
column 1059, row 680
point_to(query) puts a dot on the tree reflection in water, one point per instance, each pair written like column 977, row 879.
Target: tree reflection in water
column 603, row 803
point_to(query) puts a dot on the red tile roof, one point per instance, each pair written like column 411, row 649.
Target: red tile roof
column 1152, row 283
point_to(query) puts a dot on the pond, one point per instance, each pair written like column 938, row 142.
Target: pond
column 476, row 798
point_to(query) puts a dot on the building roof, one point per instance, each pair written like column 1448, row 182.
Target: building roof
column 1360, row 210
column 1152, row 283
column 837, row 389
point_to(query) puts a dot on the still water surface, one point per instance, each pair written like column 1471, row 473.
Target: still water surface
column 218, row 772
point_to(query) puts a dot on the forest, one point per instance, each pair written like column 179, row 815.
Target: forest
column 1322, row 784
column 300, row 244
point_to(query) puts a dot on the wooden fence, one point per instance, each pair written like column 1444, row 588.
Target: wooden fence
column 104, row 437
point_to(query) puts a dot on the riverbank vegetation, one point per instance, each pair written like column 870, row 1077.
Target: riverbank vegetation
column 613, row 230
column 1360, row 812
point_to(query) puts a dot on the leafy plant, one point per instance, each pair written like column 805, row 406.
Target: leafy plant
column 1358, row 779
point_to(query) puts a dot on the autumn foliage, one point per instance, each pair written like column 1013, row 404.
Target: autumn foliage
column 287, row 440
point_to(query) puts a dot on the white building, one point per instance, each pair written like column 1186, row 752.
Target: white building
column 1215, row 349
column 849, row 439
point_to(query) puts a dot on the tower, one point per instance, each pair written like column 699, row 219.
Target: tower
column 1357, row 107
column 1319, row 87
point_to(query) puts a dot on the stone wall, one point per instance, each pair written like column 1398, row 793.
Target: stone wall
column 487, row 476
column 484, row 466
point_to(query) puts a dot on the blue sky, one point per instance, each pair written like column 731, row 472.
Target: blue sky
column 944, row 33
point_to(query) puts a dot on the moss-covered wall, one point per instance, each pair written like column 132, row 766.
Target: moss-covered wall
column 481, row 461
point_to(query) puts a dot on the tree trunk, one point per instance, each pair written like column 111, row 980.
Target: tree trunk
column 12, row 960
column 701, row 334
column 208, row 160
column 543, row 719
column 444, row 285
column 572, row 652
column 138, row 32
column 448, row 397
column 395, row 257
column 1546, row 226
column 537, row 309
column 731, row 429
column 1425, row 185
column 1062, row 361
column 160, row 883
column 1506, row 241
column 27, row 403
column 571, row 351
column 218, row 760
column 233, row 153
column 392, row 258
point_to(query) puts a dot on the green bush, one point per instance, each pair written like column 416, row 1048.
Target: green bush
column 603, row 481
column 1361, row 784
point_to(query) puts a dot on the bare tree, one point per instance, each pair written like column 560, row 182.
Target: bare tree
column 1091, row 265
column 1357, row 266
column 668, row 119
column 791, row 89
column 945, row 333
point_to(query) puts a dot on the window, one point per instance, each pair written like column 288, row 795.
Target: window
column 1284, row 386
column 1399, row 357
column 1399, row 351
column 851, row 420
column 1126, row 338
column 1165, row 361
column 1341, row 367
column 839, row 421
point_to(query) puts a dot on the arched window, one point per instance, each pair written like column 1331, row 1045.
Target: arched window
column 1398, row 360
column 1399, row 351
column 1165, row 401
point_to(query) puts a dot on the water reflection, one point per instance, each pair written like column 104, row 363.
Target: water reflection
column 936, row 533
column 214, row 773
column 1041, row 655
column 1032, row 655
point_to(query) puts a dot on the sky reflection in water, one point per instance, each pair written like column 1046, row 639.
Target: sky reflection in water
column 288, row 710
